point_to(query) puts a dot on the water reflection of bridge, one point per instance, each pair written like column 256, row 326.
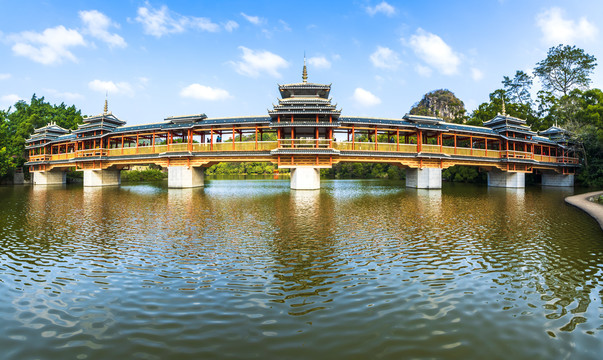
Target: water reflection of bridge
column 305, row 133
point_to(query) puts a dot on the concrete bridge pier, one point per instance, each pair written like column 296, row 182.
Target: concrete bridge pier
column 50, row 177
column 554, row 179
column 180, row 177
column 107, row 177
column 506, row 179
column 305, row 178
column 427, row 178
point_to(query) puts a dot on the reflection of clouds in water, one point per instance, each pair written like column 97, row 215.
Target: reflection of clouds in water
column 245, row 188
column 223, row 267
column 143, row 189
column 305, row 202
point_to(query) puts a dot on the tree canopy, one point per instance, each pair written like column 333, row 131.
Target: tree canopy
column 565, row 68
column 19, row 122
column 518, row 88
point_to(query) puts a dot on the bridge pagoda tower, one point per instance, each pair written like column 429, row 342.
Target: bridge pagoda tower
column 41, row 146
column 92, row 144
column 304, row 119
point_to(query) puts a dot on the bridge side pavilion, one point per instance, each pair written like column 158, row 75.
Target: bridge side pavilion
column 305, row 133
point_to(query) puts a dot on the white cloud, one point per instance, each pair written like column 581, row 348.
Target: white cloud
column 231, row 25
column 64, row 95
column 4, row 76
column 48, row 47
column 423, row 70
column 111, row 87
column 9, row 100
column 435, row 52
column 159, row 22
column 319, row 62
column 555, row 29
column 98, row 24
column 202, row 92
column 385, row 58
column 255, row 20
column 365, row 97
column 255, row 62
column 383, row 8
column 285, row 26
column 476, row 74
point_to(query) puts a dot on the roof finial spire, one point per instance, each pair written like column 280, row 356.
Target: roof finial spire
column 106, row 110
column 503, row 105
column 305, row 72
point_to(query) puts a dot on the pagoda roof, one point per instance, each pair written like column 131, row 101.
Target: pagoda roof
column 305, row 85
column 186, row 118
column 107, row 117
column 51, row 128
column 553, row 130
column 504, row 118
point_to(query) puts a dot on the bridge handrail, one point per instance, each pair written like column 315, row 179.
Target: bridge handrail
column 305, row 143
column 91, row 152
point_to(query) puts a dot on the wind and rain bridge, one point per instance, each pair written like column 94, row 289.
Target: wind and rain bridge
column 303, row 132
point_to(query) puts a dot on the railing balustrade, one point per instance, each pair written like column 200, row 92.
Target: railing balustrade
column 251, row 146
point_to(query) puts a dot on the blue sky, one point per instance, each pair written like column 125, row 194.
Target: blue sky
column 225, row 58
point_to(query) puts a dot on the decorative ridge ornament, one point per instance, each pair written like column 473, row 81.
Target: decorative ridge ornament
column 305, row 72
column 504, row 113
column 106, row 109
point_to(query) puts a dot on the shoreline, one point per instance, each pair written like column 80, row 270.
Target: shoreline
column 593, row 209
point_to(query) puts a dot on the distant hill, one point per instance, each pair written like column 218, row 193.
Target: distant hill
column 441, row 103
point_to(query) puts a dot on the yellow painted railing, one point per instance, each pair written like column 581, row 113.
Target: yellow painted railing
column 91, row 152
column 64, row 156
column 305, row 143
column 250, row 146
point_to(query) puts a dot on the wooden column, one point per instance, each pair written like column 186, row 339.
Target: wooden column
column 398, row 139
column 376, row 147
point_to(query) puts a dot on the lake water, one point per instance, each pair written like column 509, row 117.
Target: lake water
column 252, row 269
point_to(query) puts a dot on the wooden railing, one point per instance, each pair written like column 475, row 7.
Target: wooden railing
column 250, row 146
column 305, row 143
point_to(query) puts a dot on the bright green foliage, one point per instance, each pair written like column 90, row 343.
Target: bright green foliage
column 363, row 171
column 17, row 125
column 143, row 175
column 518, row 88
column 487, row 111
column 460, row 173
column 565, row 68
column 244, row 168
column 5, row 162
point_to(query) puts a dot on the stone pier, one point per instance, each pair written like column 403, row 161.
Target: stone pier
column 506, row 179
column 553, row 179
column 107, row 177
column 428, row 178
column 50, row 177
column 305, row 178
column 180, row 177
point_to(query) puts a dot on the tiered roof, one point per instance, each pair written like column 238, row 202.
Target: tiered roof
column 502, row 123
column 305, row 99
column 105, row 121
column 47, row 133
column 557, row 134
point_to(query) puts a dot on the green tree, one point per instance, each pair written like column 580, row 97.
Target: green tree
column 565, row 68
column 518, row 88
column 487, row 111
